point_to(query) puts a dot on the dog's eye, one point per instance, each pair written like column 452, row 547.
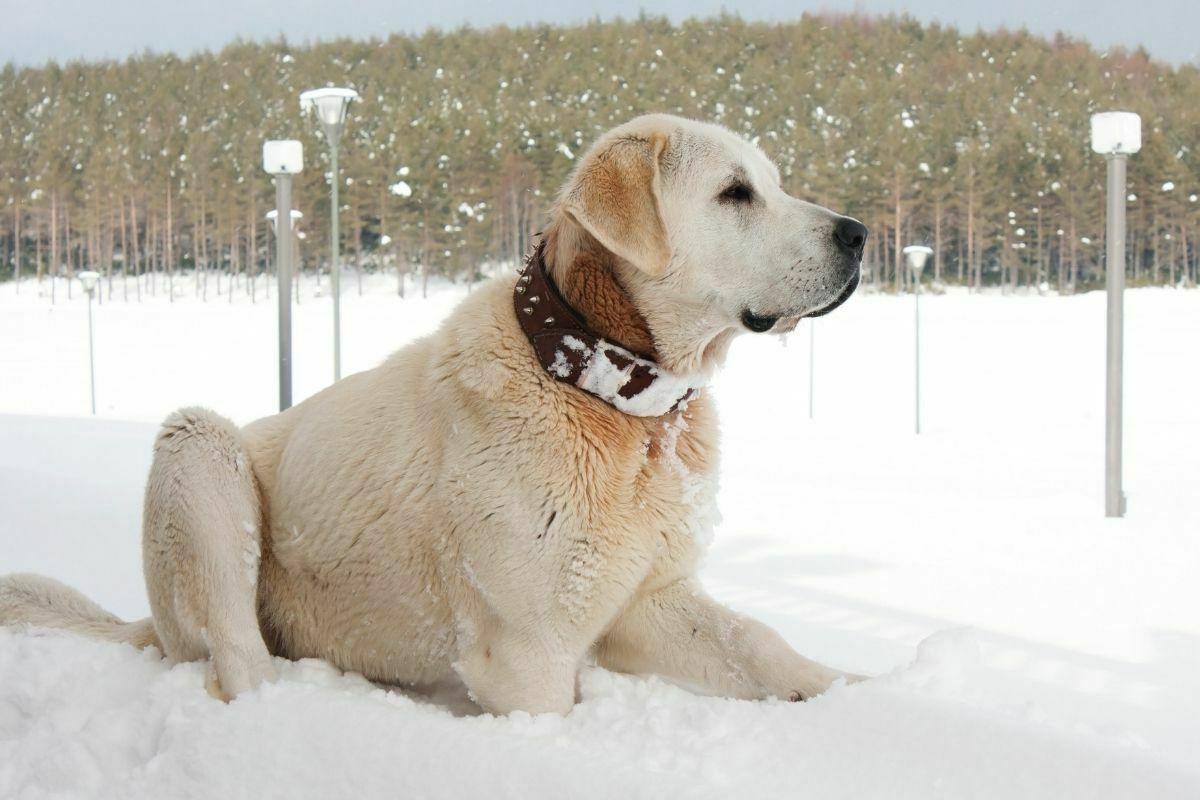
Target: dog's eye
column 737, row 193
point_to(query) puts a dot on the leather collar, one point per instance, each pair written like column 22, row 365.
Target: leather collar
column 573, row 353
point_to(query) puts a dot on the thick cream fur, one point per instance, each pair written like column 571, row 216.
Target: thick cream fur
column 457, row 511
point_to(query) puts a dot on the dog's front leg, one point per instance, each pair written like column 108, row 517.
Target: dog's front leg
column 507, row 670
column 679, row 632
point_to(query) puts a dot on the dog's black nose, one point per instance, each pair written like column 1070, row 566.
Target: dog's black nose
column 851, row 235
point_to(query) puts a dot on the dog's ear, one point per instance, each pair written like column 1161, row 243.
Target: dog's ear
column 616, row 198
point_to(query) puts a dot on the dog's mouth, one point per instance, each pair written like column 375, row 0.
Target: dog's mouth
column 758, row 323
column 761, row 323
column 842, row 297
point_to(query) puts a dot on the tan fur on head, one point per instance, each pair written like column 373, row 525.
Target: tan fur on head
column 686, row 232
column 585, row 272
column 615, row 195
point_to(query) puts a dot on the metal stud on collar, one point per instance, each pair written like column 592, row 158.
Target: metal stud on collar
column 520, row 290
column 527, row 310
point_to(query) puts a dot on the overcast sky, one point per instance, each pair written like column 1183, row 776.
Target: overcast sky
column 34, row 31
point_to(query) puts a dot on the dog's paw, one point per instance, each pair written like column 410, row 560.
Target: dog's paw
column 239, row 679
column 818, row 688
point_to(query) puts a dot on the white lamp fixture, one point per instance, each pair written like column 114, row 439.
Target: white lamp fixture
column 273, row 218
column 917, row 255
column 283, row 157
column 89, row 279
column 1116, row 133
column 328, row 106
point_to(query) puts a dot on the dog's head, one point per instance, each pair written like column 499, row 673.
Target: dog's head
column 707, row 243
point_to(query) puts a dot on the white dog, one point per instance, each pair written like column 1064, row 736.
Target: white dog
column 526, row 488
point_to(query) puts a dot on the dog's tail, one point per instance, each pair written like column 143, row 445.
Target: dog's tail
column 34, row 600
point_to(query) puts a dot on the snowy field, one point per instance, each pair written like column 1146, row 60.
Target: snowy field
column 1026, row 647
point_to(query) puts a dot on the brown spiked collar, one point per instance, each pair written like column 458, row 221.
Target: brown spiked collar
column 573, row 353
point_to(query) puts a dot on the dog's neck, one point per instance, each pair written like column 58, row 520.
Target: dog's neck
column 587, row 276
column 602, row 287
column 586, row 332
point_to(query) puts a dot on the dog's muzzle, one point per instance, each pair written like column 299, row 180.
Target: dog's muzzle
column 842, row 297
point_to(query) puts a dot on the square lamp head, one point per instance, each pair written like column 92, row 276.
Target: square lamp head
column 1116, row 133
column 283, row 156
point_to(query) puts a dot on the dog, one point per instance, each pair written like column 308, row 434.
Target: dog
column 528, row 488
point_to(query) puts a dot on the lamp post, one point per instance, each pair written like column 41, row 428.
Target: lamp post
column 285, row 310
column 812, row 370
column 329, row 106
column 1116, row 135
column 89, row 279
column 917, row 255
column 283, row 159
column 273, row 218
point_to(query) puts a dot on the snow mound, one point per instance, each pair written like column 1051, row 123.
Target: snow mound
column 93, row 719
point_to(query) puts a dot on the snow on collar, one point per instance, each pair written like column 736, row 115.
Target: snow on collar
column 572, row 353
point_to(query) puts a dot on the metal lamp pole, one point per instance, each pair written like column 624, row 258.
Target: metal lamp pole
column 89, row 279
column 329, row 106
column 917, row 350
column 1114, row 497
column 917, row 254
column 283, row 275
column 283, row 159
column 335, row 264
column 283, row 261
column 812, row 349
column 1116, row 135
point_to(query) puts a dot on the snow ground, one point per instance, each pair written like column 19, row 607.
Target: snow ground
column 1065, row 651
